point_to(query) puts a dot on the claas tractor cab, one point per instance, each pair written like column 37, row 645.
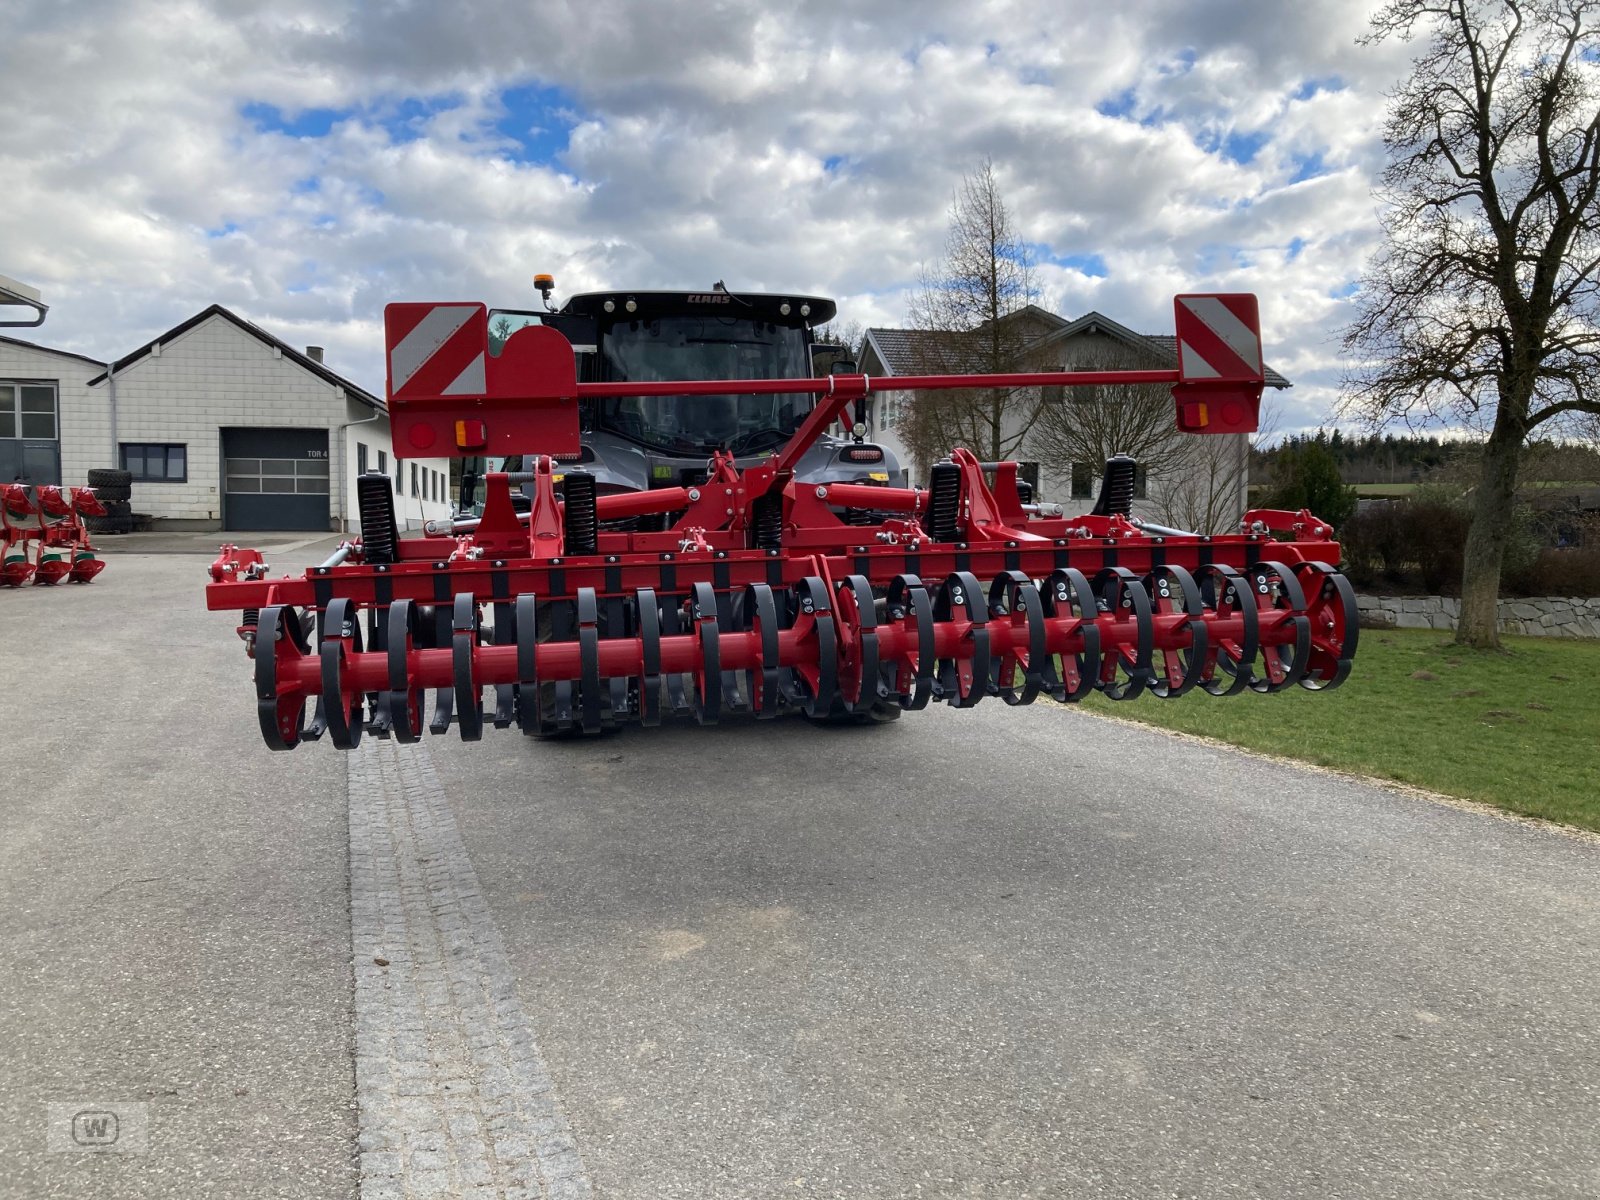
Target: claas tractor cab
column 638, row 443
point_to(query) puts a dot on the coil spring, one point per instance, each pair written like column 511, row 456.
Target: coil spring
column 375, row 505
column 944, row 501
column 858, row 516
column 767, row 521
column 1116, row 487
column 582, row 528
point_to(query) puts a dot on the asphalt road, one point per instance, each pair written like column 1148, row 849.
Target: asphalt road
column 1029, row 953
column 174, row 921
column 1004, row 953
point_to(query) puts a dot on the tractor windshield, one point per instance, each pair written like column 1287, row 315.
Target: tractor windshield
column 694, row 347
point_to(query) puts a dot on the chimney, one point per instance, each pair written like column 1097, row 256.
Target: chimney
column 314, row 353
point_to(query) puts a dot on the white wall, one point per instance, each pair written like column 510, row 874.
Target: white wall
column 433, row 477
column 83, row 420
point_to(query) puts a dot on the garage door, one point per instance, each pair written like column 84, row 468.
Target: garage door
column 275, row 479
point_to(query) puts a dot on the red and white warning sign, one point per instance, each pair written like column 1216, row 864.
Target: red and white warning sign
column 436, row 349
column 1219, row 338
column 449, row 396
column 1220, row 370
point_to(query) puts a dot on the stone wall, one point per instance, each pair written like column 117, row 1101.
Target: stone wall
column 1536, row 616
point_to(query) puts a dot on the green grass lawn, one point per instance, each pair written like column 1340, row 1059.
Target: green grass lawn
column 1519, row 728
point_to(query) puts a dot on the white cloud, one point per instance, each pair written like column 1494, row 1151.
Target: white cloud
column 305, row 163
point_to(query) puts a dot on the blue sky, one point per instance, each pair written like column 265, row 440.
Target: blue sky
column 307, row 162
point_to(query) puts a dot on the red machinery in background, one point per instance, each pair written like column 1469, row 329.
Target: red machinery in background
column 50, row 521
column 757, row 590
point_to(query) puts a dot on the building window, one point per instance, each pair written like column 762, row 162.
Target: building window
column 361, row 458
column 1082, row 480
column 27, row 410
column 414, row 489
column 383, row 462
column 1141, row 484
column 156, row 462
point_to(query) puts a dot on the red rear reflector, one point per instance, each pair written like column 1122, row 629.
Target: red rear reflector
column 863, row 454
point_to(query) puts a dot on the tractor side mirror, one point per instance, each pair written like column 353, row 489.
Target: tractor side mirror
column 843, row 366
column 471, row 469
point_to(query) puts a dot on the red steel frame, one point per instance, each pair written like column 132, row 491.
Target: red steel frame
column 1020, row 604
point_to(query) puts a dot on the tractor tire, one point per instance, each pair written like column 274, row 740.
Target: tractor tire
column 110, row 524
column 882, row 713
column 110, row 493
column 108, row 477
column 118, row 508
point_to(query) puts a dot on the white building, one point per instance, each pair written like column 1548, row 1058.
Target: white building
column 222, row 425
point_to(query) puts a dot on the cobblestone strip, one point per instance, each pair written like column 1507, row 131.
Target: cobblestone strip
column 454, row 1097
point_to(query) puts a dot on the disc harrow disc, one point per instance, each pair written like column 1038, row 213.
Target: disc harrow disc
column 912, row 675
column 1173, row 591
column 706, row 700
column 1127, row 622
column 1013, row 598
column 1281, row 609
column 964, row 680
column 404, row 702
column 530, row 715
column 861, row 672
column 1070, row 675
column 1335, row 625
column 647, row 614
column 817, row 679
column 468, row 692
column 280, row 700
column 1230, row 661
column 590, row 704
column 761, row 611
column 342, row 703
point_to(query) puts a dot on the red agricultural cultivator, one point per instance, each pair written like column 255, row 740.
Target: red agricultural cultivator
column 791, row 576
column 50, row 521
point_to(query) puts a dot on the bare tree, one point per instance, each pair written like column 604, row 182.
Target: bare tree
column 1485, row 297
column 1206, row 484
column 1089, row 424
column 960, row 307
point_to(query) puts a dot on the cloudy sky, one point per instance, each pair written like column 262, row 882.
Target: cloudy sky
column 306, row 161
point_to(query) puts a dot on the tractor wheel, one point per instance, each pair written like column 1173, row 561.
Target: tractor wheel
column 118, row 508
column 122, row 523
column 881, row 713
column 110, row 493
column 107, row 477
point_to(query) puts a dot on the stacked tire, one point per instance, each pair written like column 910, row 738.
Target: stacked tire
column 114, row 490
